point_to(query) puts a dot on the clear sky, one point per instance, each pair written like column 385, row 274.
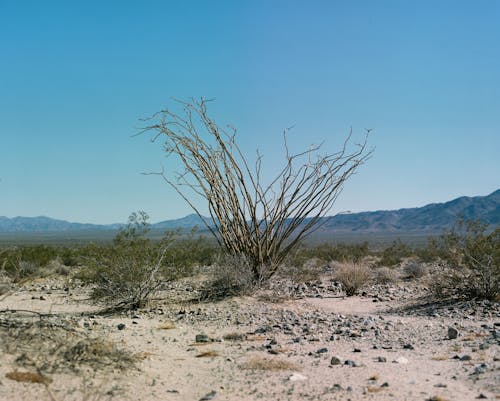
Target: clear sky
column 76, row 77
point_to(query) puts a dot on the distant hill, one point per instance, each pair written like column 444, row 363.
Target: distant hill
column 45, row 224
column 430, row 218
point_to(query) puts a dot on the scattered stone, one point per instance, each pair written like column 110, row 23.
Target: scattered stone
column 381, row 359
column 209, row 396
column 322, row 351
column 408, row 346
column 356, row 350
column 121, row 326
column 480, row 369
column 401, row 360
column 481, row 396
column 466, row 358
column 452, row 333
column 335, row 361
column 202, row 338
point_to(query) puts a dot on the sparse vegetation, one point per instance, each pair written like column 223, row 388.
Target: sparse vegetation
column 128, row 273
column 472, row 254
column 393, row 255
column 352, row 276
column 262, row 222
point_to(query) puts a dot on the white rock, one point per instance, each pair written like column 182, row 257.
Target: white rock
column 401, row 360
column 297, row 377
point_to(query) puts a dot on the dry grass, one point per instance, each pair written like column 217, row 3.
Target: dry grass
column 52, row 345
column 437, row 398
column 167, row 326
column 234, row 336
column 352, row 276
column 440, row 358
column 259, row 363
column 208, row 354
column 28, row 377
column 374, row 389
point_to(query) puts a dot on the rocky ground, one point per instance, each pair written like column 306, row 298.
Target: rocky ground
column 392, row 342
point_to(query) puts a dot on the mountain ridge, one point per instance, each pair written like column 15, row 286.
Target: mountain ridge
column 429, row 218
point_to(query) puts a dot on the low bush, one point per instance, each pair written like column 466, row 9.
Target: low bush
column 414, row 270
column 126, row 274
column 472, row 253
column 384, row 275
column 352, row 276
column 232, row 275
column 393, row 255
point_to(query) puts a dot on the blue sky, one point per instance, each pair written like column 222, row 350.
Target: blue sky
column 76, row 78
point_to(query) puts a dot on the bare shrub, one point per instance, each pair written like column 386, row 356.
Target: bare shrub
column 352, row 276
column 385, row 275
column 232, row 276
column 51, row 345
column 472, row 254
column 127, row 274
column 414, row 270
column 263, row 221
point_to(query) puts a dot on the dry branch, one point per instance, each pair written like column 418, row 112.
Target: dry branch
column 262, row 221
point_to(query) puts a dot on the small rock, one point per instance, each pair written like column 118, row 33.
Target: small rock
column 356, row 350
column 297, row 377
column 121, row 326
column 201, row 338
column 401, row 360
column 322, row 351
column 408, row 346
column 381, row 359
column 452, row 333
column 466, row 358
column 209, row 396
column 335, row 361
column 481, row 396
column 480, row 369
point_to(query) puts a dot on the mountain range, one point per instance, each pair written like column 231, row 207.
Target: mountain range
column 430, row 218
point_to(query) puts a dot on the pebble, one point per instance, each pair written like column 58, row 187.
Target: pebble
column 121, row 326
column 452, row 333
column 209, row 396
column 201, row 338
column 335, row 360
column 297, row 377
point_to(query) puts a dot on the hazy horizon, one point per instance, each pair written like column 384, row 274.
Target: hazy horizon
column 78, row 77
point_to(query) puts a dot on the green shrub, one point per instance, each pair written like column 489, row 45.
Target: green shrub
column 393, row 255
column 327, row 252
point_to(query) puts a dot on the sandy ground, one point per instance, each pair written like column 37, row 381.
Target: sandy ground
column 382, row 353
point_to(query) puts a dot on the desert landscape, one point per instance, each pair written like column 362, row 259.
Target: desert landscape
column 287, row 341
column 312, row 192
